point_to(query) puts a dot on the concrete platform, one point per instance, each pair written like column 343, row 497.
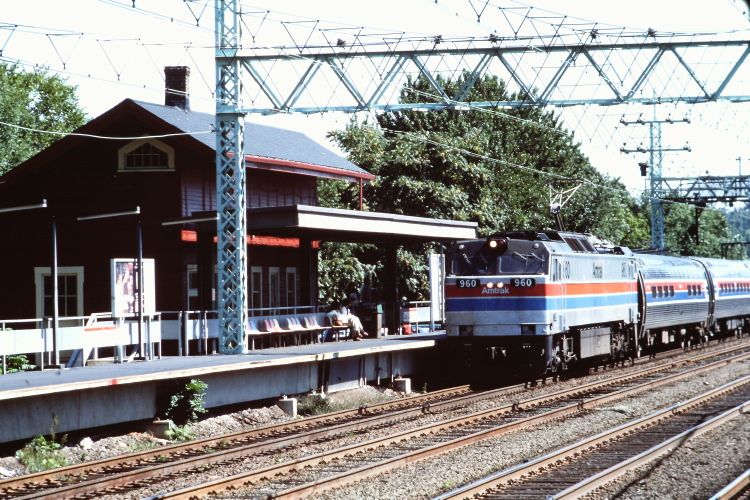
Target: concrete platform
column 94, row 396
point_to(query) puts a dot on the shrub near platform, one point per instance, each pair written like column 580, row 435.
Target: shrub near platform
column 42, row 454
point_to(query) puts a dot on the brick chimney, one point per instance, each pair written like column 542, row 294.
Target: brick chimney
column 176, row 91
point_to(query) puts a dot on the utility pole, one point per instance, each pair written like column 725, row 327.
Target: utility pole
column 656, row 157
column 230, row 180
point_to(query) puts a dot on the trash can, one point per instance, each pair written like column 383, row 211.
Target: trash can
column 371, row 316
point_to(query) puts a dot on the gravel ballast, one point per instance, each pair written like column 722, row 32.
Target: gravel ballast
column 431, row 477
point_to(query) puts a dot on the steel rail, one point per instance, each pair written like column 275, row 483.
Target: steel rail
column 733, row 489
column 143, row 461
column 177, row 450
column 142, row 465
column 185, row 464
column 614, row 472
column 370, row 470
column 561, row 455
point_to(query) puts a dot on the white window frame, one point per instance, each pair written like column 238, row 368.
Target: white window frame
column 274, row 296
column 291, row 293
column 253, row 292
column 123, row 152
column 41, row 272
column 192, row 269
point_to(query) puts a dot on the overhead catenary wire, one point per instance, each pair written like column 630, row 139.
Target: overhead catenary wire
column 105, row 137
column 525, row 168
column 364, row 36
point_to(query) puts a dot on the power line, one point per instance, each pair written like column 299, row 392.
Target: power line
column 113, row 138
column 526, row 168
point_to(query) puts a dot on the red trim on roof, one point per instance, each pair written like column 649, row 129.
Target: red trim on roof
column 309, row 166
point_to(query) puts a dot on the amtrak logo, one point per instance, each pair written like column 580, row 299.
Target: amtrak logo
column 496, row 291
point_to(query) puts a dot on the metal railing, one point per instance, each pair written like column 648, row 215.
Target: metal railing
column 34, row 336
column 421, row 312
column 187, row 328
column 201, row 327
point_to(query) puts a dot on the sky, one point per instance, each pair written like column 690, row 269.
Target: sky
column 111, row 51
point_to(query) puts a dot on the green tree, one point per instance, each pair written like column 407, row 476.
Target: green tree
column 33, row 101
column 681, row 225
column 488, row 166
column 339, row 271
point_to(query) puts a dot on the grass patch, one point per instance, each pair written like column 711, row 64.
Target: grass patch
column 42, row 454
column 138, row 445
column 178, row 433
column 316, row 404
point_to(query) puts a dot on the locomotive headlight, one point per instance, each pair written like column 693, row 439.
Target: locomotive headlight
column 497, row 244
column 490, row 284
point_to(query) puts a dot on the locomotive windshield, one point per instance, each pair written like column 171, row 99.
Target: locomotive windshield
column 479, row 260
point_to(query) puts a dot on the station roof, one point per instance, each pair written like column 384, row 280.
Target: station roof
column 332, row 224
column 266, row 147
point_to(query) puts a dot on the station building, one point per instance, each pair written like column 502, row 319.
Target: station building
column 170, row 176
column 161, row 159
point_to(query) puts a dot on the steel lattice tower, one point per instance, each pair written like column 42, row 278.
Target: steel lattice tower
column 230, row 181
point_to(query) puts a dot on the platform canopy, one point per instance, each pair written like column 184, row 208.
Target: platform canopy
column 333, row 224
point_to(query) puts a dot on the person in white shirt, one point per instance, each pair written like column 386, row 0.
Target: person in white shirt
column 344, row 316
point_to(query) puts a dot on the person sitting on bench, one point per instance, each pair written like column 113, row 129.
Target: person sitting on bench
column 343, row 316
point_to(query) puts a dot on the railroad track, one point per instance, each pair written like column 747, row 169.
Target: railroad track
column 352, row 463
column 36, row 484
column 735, row 490
column 579, row 469
column 134, row 469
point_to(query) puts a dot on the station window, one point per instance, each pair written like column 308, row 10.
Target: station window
column 145, row 155
column 291, row 286
column 274, row 289
column 256, row 287
column 69, row 291
column 192, row 286
column 193, row 281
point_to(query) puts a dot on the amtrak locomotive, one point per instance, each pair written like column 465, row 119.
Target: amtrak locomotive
column 538, row 303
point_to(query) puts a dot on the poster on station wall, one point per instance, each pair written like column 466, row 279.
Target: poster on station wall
column 124, row 279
